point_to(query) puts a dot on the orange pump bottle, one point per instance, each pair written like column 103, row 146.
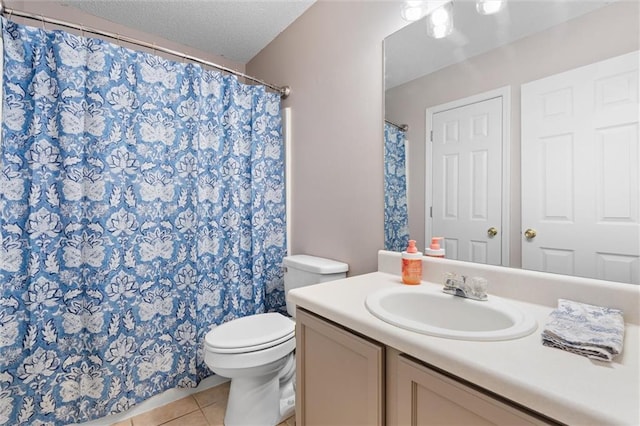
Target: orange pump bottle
column 411, row 264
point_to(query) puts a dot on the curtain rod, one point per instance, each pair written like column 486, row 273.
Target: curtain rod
column 284, row 90
column 403, row 127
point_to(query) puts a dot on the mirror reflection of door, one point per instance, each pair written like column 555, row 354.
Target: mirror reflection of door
column 466, row 179
column 580, row 178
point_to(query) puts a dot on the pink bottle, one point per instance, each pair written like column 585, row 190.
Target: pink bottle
column 434, row 249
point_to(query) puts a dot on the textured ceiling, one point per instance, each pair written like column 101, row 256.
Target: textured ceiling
column 234, row 29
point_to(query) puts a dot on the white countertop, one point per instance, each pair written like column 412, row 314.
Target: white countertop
column 566, row 387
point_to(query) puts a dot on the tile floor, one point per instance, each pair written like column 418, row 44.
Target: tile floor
column 204, row 408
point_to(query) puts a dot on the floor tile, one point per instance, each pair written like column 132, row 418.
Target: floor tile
column 214, row 395
column 291, row 421
column 166, row 413
column 214, row 414
column 192, row 419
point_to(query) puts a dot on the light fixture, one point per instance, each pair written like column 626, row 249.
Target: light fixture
column 489, row 7
column 440, row 21
column 440, row 13
column 413, row 10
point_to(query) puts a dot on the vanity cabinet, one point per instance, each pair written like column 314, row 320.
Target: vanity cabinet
column 424, row 396
column 347, row 379
column 340, row 376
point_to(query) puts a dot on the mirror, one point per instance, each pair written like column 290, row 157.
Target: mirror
column 529, row 56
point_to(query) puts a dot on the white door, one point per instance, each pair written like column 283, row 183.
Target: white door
column 467, row 180
column 580, row 183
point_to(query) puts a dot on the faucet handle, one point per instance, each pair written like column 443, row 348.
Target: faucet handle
column 452, row 280
column 461, row 285
column 478, row 287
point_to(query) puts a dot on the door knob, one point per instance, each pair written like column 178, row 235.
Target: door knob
column 492, row 232
column 530, row 234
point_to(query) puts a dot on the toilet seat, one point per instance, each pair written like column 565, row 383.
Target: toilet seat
column 251, row 333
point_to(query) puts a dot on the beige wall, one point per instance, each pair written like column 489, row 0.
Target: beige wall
column 332, row 59
column 58, row 10
column 611, row 31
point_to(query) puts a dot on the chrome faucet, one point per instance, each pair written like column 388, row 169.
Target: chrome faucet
column 460, row 285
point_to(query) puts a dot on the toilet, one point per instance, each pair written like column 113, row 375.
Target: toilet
column 257, row 351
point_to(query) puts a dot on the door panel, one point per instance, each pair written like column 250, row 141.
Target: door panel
column 467, row 180
column 339, row 376
column 426, row 397
column 580, row 181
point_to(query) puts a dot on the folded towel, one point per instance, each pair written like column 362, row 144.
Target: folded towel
column 587, row 330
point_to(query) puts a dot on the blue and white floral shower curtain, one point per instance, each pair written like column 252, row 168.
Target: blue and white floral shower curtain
column 396, row 218
column 141, row 202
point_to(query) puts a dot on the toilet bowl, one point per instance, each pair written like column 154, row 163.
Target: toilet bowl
column 257, row 351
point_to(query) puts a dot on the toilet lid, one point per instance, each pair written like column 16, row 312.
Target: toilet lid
column 251, row 333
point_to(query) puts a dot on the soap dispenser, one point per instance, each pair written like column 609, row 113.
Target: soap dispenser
column 435, row 250
column 411, row 264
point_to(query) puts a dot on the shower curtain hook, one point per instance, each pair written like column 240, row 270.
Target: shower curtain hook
column 44, row 28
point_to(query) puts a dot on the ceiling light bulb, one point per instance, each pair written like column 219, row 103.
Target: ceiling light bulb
column 441, row 31
column 440, row 16
column 489, row 7
column 440, row 22
column 413, row 10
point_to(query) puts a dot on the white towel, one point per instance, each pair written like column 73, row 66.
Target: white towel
column 587, row 330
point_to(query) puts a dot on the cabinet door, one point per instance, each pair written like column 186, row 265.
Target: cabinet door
column 339, row 375
column 425, row 397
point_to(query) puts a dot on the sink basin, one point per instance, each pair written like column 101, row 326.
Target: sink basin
column 426, row 309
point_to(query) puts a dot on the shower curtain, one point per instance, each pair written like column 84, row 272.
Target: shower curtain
column 396, row 219
column 141, row 203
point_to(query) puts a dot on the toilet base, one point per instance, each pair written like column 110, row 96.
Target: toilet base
column 264, row 400
column 288, row 395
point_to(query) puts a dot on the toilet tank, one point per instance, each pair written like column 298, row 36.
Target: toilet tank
column 303, row 270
